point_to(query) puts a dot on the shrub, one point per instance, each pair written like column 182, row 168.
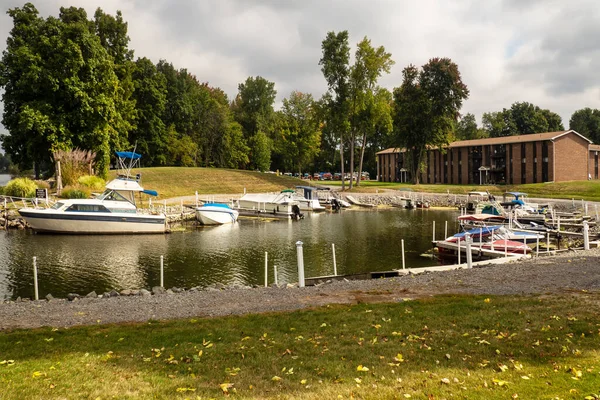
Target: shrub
column 73, row 164
column 92, row 182
column 74, row 193
column 1, row 190
column 20, row 187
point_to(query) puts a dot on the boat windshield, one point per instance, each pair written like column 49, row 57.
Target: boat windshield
column 57, row 205
column 111, row 195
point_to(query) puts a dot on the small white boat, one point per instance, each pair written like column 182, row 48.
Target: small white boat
column 307, row 200
column 278, row 205
column 216, row 214
column 112, row 212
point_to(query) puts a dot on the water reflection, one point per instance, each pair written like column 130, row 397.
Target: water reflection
column 365, row 241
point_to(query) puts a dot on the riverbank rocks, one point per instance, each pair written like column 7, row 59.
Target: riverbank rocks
column 49, row 297
column 73, row 296
column 91, row 295
column 158, row 290
column 144, row 292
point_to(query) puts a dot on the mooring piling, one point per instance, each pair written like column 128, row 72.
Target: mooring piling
column 300, row 254
column 35, row 279
column 445, row 229
column 266, row 269
column 586, row 235
column 469, row 254
column 162, row 272
column 334, row 262
column 433, row 237
column 403, row 262
column 275, row 274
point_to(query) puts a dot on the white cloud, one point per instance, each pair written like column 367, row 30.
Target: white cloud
column 543, row 52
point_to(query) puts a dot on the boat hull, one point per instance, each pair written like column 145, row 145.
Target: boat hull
column 216, row 215
column 92, row 223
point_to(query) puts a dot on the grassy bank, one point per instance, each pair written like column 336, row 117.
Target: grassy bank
column 442, row 347
column 587, row 190
column 174, row 182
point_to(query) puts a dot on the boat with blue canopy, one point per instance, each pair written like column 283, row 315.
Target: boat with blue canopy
column 112, row 212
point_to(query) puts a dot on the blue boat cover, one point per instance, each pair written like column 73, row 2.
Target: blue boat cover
column 475, row 232
column 150, row 192
column 216, row 205
column 128, row 154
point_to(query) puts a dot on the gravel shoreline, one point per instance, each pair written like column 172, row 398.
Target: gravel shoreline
column 572, row 271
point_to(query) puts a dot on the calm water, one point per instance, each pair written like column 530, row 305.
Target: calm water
column 364, row 241
column 4, row 179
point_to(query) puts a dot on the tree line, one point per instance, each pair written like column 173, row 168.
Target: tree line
column 73, row 82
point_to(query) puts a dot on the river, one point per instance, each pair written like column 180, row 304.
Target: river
column 4, row 179
column 365, row 240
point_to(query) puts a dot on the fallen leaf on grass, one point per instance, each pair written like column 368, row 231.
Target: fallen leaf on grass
column 362, row 369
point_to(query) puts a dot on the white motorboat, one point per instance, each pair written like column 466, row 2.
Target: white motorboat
column 307, row 200
column 216, row 214
column 112, row 212
column 278, row 205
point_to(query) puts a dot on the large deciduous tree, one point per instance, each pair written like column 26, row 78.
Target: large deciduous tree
column 466, row 128
column 336, row 70
column 427, row 106
column 253, row 110
column 297, row 137
column 587, row 122
column 367, row 109
column 521, row 118
column 60, row 88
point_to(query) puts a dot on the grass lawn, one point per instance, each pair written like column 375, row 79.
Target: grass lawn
column 443, row 347
column 587, row 190
column 180, row 181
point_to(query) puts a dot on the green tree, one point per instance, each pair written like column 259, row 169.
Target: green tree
column 297, row 136
column 367, row 108
column 150, row 95
column 181, row 148
column 427, row 106
column 587, row 122
column 253, row 110
column 234, row 150
column 112, row 33
column 5, row 163
column 466, row 128
column 499, row 124
column 261, row 146
column 60, row 88
column 521, row 118
column 336, row 70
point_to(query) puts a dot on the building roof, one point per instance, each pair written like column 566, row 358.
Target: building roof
column 391, row 150
column 532, row 137
column 594, row 147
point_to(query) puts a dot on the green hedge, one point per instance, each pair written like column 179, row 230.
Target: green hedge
column 20, row 187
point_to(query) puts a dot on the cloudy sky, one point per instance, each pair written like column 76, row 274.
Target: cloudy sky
column 545, row 52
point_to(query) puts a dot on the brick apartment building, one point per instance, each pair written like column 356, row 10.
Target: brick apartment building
column 540, row 157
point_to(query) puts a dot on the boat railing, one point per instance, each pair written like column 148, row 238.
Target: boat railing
column 14, row 202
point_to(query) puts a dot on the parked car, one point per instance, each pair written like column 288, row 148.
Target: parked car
column 327, row 176
column 316, row 176
column 337, row 176
column 306, row 175
column 364, row 176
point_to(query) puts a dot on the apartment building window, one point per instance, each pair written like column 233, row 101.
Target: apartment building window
column 523, row 163
column 545, row 177
column 534, row 162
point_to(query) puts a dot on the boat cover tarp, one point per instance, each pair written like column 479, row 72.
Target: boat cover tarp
column 150, row 192
column 475, row 232
column 128, row 154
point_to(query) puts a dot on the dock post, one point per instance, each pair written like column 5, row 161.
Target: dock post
column 548, row 243
column 433, row 231
column 35, row 279
column 459, row 251
column 196, row 198
column 162, row 272
column 558, row 229
column 586, row 235
column 480, row 238
column 524, row 246
column 300, row 255
column 275, row 274
column 469, row 254
column 446, row 230
column 595, row 209
column 403, row 263
column 334, row 262
column 537, row 246
column 266, row 269
column 586, row 209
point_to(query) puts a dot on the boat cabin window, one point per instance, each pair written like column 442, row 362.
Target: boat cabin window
column 87, row 208
column 111, row 195
column 57, row 205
